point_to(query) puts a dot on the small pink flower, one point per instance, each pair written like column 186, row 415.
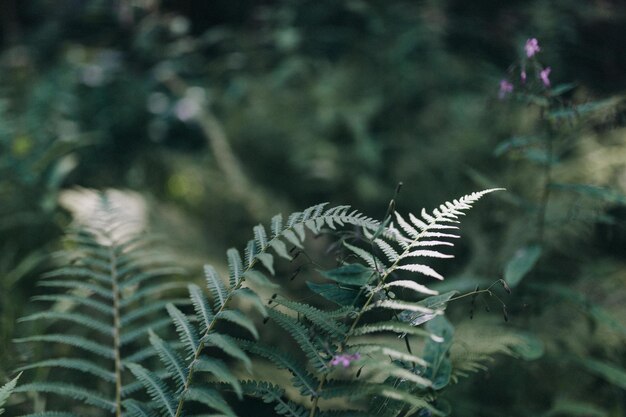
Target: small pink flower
column 505, row 88
column 522, row 76
column 544, row 74
column 531, row 47
column 344, row 359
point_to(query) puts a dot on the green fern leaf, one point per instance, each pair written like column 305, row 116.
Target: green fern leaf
column 70, row 391
column 6, row 390
column 301, row 336
column 252, row 297
column 301, row 378
column 77, row 341
column 260, row 237
column 410, row 285
column 140, row 312
column 201, row 306
column 386, row 352
column 229, row 346
column 389, row 326
column 50, row 414
column 173, row 362
column 77, row 364
column 186, row 331
column 267, row 260
column 237, row 317
column 137, row 409
column 276, row 225
column 74, row 285
column 258, row 278
column 422, row 269
column 280, row 248
column 89, row 322
column 210, row 398
column 219, row 369
column 130, row 336
column 235, row 267
column 80, row 272
column 158, row 391
column 216, row 286
column 74, row 299
column 323, row 320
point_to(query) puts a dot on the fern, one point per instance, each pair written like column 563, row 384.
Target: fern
column 348, row 353
column 114, row 292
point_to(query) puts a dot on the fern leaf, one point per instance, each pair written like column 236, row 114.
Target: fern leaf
column 151, row 274
column 422, row 269
column 77, row 341
column 389, row 326
column 292, row 238
column 301, row 378
column 258, row 278
column 237, row 317
column 410, row 285
column 50, row 414
column 260, row 237
column 137, row 409
column 130, row 336
column 277, row 225
column 268, row 261
column 388, row 250
column 368, row 349
column 280, row 248
column 409, row 230
column 140, row 312
column 252, row 297
column 428, row 254
column 320, row 318
column 201, row 306
column 216, row 286
column 83, row 320
column 370, row 259
column 386, row 369
column 210, row 398
column 158, row 391
column 273, row 395
column 149, row 291
column 229, row 346
column 77, row 364
column 74, row 299
column 219, row 369
column 80, row 272
column 72, row 285
column 173, row 362
column 70, row 391
column 186, row 331
column 6, row 390
column 400, row 305
column 301, row 336
column 235, row 267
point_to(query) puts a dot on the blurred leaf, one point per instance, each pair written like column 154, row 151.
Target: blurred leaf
column 561, row 89
column 6, row 390
column 515, row 142
column 531, row 347
column 585, row 109
column 436, row 352
column 522, row 262
column 437, row 303
column 335, row 293
column 600, row 193
column 610, row 372
column 351, row 274
column 573, row 408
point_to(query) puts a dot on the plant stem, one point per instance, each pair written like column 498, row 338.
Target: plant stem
column 116, row 332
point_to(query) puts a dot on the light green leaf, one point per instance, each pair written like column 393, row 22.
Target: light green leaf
column 522, row 262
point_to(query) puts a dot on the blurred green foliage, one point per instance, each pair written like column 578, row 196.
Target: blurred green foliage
column 222, row 113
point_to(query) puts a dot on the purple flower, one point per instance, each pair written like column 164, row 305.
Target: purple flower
column 522, row 76
column 544, row 74
column 531, row 47
column 505, row 88
column 344, row 359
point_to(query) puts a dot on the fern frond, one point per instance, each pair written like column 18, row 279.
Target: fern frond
column 75, row 285
column 188, row 334
column 88, row 322
column 219, row 369
column 229, row 346
column 81, row 365
column 74, row 299
column 210, row 398
column 70, row 391
column 159, row 392
column 201, row 306
column 389, row 326
column 323, row 320
column 216, row 286
column 303, row 380
column 76, row 341
column 369, row 349
column 137, row 409
column 237, row 317
column 235, row 267
column 6, row 390
column 173, row 362
column 410, row 285
column 301, row 336
column 272, row 394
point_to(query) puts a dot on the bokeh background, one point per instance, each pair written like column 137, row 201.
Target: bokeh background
column 217, row 114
